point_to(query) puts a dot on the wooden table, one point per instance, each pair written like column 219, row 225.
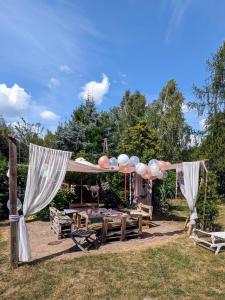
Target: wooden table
column 83, row 218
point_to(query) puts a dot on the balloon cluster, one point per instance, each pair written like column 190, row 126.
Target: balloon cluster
column 154, row 169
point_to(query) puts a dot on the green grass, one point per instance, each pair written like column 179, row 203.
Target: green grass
column 177, row 270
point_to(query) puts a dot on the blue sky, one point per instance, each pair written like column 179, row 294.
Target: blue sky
column 55, row 51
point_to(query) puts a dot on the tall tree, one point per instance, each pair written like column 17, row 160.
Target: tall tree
column 166, row 116
column 213, row 148
column 49, row 139
column 26, row 133
column 211, row 101
column 140, row 140
column 4, row 131
column 82, row 133
column 211, row 97
column 130, row 111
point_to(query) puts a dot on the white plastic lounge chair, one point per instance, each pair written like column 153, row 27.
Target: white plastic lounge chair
column 211, row 240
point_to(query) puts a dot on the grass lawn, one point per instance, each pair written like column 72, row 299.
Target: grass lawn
column 177, row 270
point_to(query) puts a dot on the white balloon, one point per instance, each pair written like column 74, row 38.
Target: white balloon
column 154, row 168
column 18, row 204
column 141, row 168
column 134, row 160
column 152, row 162
column 113, row 162
column 123, row 160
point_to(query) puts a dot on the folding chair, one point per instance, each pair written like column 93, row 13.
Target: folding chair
column 83, row 239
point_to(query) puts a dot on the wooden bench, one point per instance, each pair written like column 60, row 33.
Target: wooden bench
column 142, row 209
column 60, row 223
column 119, row 228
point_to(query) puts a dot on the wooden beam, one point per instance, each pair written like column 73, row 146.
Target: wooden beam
column 205, row 192
column 14, row 255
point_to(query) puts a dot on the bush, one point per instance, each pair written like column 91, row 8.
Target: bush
column 62, row 200
column 162, row 191
column 4, row 186
column 4, row 193
column 208, row 211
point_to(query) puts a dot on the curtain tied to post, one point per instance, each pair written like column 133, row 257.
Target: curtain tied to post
column 189, row 181
column 47, row 169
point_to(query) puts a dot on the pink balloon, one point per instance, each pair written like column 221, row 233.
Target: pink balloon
column 168, row 164
column 125, row 169
column 162, row 165
column 103, row 162
column 147, row 174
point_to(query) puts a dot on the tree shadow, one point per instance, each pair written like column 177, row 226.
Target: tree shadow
column 146, row 235
column 51, row 256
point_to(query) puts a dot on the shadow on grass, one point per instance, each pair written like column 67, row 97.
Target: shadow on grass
column 158, row 234
column 51, row 256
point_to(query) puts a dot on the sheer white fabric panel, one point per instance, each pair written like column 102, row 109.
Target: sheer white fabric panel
column 47, row 169
column 189, row 186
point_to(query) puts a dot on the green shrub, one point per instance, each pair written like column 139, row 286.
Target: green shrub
column 208, row 211
column 163, row 190
column 62, row 200
column 4, row 193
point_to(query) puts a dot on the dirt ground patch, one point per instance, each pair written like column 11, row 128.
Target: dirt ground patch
column 41, row 235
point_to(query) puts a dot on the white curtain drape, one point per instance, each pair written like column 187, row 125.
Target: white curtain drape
column 47, row 169
column 189, row 182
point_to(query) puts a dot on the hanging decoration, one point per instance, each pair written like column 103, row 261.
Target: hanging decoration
column 134, row 160
column 124, row 164
column 154, row 167
column 103, row 162
column 113, row 162
column 123, row 160
column 141, row 168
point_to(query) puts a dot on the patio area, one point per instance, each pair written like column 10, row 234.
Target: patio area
column 46, row 246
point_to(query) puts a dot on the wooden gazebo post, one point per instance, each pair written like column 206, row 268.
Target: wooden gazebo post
column 14, row 255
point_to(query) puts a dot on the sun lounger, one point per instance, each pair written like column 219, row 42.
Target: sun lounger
column 211, row 240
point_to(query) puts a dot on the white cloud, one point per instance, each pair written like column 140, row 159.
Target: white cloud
column 48, row 115
column 185, row 108
column 178, row 11
column 65, row 69
column 96, row 89
column 54, row 82
column 14, row 101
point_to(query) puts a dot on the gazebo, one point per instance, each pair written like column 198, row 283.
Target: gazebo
column 46, row 172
